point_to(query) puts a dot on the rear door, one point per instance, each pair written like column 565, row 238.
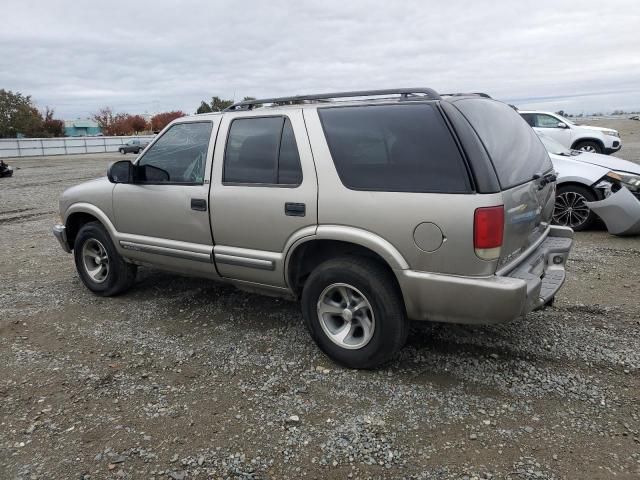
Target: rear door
column 518, row 156
column 264, row 193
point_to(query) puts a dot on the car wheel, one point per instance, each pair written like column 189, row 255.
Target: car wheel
column 121, row 150
column 101, row 268
column 354, row 312
column 571, row 208
column 588, row 146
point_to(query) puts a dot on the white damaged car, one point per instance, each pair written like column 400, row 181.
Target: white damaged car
column 591, row 185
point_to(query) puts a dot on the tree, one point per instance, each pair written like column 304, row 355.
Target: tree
column 204, row 107
column 118, row 123
column 137, row 123
column 104, row 119
column 161, row 120
column 52, row 126
column 218, row 105
column 18, row 115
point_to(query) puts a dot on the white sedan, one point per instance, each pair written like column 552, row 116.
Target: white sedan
column 591, row 185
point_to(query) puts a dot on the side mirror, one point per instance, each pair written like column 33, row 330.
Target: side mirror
column 120, row 172
column 562, row 125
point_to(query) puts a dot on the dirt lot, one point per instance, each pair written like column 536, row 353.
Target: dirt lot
column 183, row 378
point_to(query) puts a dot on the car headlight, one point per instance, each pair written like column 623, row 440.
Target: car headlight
column 612, row 133
column 629, row 180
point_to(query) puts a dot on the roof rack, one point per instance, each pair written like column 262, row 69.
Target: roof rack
column 463, row 94
column 404, row 92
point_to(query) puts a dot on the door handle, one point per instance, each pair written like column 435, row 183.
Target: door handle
column 199, row 204
column 295, row 209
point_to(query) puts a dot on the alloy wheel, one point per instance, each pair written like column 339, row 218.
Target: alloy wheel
column 346, row 316
column 571, row 209
column 95, row 260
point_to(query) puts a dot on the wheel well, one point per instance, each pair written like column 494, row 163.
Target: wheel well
column 75, row 223
column 582, row 185
column 581, row 140
column 309, row 255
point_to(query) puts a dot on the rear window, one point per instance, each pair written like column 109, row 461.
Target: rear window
column 394, row 148
column 515, row 149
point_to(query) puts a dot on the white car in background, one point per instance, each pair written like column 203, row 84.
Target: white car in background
column 573, row 136
column 590, row 185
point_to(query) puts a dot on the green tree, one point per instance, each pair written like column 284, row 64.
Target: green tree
column 204, row 107
column 218, row 105
column 18, row 115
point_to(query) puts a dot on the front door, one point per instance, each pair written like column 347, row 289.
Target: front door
column 163, row 218
column 263, row 195
column 548, row 125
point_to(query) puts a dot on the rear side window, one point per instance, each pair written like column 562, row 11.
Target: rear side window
column 515, row 149
column 262, row 150
column 394, row 148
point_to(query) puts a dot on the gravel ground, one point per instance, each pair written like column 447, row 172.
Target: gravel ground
column 183, row 378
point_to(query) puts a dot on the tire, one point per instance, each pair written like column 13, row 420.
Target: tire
column 589, row 146
column 108, row 279
column 570, row 197
column 121, row 150
column 384, row 311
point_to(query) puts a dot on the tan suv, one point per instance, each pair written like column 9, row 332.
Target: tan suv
column 374, row 208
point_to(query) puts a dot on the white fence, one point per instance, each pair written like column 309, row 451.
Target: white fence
column 29, row 147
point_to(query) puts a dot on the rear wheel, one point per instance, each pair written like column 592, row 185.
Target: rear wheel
column 589, row 146
column 354, row 312
column 101, row 268
column 571, row 208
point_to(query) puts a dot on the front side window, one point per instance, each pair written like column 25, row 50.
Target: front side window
column 394, row 148
column 179, row 156
column 546, row 121
column 262, row 150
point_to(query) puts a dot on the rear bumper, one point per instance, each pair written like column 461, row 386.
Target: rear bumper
column 620, row 212
column 495, row 299
column 60, row 232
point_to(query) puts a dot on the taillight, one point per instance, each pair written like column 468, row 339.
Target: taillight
column 488, row 230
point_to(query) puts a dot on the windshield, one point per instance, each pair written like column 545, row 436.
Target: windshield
column 554, row 147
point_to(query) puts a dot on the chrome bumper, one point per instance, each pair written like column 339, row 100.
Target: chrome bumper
column 620, row 212
column 60, row 232
column 495, row 299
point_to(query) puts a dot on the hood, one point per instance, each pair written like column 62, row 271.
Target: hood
column 609, row 162
column 597, row 129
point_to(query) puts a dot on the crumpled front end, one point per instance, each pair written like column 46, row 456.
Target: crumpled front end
column 620, row 211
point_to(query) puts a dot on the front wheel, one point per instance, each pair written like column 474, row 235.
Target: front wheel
column 100, row 266
column 354, row 312
column 121, row 150
column 589, row 146
column 571, row 209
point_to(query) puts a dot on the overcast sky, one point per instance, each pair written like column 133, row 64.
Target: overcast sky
column 149, row 56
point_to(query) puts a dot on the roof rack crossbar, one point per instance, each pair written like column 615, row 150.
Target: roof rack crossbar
column 403, row 92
